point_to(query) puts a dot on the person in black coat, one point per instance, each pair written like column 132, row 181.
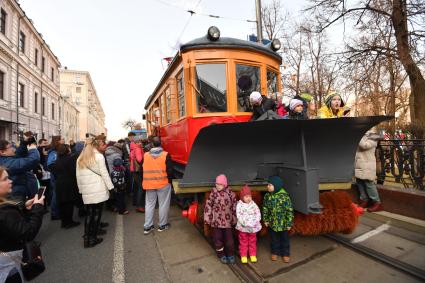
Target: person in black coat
column 262, row 105
column 64, row 171
column 19, row 222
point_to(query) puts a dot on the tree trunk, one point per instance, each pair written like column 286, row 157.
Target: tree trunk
column 416, row 79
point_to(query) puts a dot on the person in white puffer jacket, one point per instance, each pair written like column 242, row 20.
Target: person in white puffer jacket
column 94, row 183
column 248, row 225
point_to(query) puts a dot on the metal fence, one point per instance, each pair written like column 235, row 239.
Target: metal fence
column 401, row 162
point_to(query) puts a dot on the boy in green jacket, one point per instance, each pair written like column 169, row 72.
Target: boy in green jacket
column 278, row 215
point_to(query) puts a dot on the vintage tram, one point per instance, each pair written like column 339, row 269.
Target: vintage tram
column 200, row 109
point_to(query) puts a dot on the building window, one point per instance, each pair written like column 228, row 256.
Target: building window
column 22, row 41
column 21, row 92
column 3, row 17
column 36, row 57
column 43, row 106
column 36, row 102
column 53, row 111
column 78, row 89
column 1, row 85
column 43, row 64
column 52, row 74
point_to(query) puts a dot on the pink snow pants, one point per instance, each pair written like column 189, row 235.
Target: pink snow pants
column 247, row 243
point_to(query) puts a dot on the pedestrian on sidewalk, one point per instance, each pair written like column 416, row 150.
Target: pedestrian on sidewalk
column 136, row 169
column 249, row 216
column 118, row 179
column 220, row 214
column 94, row 184
column 64, row 170
column 157, row 176
column 365, row 172
column 278, row 215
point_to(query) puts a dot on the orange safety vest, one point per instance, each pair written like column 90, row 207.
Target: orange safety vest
column 154, row 171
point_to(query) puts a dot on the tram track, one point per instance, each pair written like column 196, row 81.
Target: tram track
column 390, row 261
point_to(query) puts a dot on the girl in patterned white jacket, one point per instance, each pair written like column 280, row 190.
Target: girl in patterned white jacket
column 248, row 225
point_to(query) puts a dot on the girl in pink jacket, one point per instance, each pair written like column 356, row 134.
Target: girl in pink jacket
column 248, row 225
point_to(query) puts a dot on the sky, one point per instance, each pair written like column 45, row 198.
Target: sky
column 122, row 43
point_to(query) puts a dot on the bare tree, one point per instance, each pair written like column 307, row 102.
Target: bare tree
column 273, row 19
column 406, row 19
column 129, row 124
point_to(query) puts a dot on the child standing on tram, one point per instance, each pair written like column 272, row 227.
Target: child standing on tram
column 278, row 215
column 248, row 225
column 220, row 214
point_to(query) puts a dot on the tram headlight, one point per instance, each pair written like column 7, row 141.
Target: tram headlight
column 213, row 33
column 275, row 45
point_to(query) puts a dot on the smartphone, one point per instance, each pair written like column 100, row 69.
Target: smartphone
column 41, row 191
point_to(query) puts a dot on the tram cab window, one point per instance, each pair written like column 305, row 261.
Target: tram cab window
column 180, row 94
column 211, row 93
column 168, row 104
column 271, row 83
column 247, row 81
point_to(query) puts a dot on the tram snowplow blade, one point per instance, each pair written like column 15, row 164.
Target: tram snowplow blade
column 304, row 153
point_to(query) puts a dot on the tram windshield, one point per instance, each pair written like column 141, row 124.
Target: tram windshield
column 247, row 81
column 211, row 93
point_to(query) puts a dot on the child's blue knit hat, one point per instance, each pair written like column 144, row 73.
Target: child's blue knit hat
column 277, row 182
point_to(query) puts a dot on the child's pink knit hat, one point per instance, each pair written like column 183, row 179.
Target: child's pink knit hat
column 222, row 180
column 246, row 191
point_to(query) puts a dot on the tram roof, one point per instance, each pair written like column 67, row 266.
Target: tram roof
column 222, row 42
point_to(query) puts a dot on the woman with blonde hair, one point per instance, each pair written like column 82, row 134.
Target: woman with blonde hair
column 19, row 222
column 94, row 185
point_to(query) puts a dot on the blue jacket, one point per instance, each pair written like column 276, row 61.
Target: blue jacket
column 19, row 169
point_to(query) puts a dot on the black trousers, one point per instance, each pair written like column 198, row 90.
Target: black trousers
column 279, row 244
column 66, row 210
column 92, row 220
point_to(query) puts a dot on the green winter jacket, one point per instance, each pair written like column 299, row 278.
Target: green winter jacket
column 278, row 211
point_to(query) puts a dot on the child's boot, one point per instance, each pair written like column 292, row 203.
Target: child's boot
column 274, row 257
column 253, row 258
column 244, row 259
column 285, row 259
column 231, row 259
column 223, row 259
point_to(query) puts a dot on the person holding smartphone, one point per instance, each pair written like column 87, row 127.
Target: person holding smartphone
column 19, row 222
column 334, row 107
column 20, row 168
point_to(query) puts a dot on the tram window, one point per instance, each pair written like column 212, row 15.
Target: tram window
column 180, row 93
column 163, row 110
column 211, row 94
column 271, row 83
column 168, row 104
column 247, row 81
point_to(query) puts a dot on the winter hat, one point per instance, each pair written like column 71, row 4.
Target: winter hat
column 222, row 180
column 306, row 96
column 246, row 191
column 294, row 103
column 255, row 97
column 329, row 96
column 276, row 181
column 117, row 162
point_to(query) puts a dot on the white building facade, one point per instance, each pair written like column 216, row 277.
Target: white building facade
column 29, row 78
column 78, row 87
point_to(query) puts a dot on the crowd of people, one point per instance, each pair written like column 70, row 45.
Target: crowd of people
column 36, row 178
column 92, row 174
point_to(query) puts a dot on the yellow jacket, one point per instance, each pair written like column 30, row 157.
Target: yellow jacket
column 325, row 112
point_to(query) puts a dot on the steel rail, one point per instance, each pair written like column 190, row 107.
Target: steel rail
column 395, row 263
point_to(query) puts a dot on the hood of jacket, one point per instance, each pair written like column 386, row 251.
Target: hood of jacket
column 156, row 151
column 113, row 150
